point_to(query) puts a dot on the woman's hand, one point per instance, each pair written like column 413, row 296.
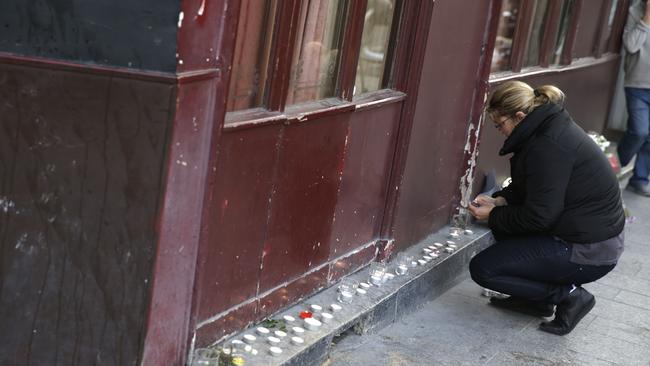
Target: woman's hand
column 482, row 206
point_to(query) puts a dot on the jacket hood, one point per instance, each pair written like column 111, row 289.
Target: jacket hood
column 529, row 125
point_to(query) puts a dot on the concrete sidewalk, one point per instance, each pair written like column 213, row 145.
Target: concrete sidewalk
column 460, row 328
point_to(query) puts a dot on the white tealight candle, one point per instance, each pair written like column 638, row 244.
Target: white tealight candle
column 275, row 351
column 449, row 249
column 289, row 319
column 336, row 307
column 262, row 331
column 438, row 245
column 274, row 341
column 427, row 258
column 422, row 262
column 361, row 291
column 312, row 324
column 469, row 232
column 326, row 317
column 426, row 250
column 365, row 285
column 401, row 269
column 280, row 334
column 298, row 330
column 249, row 338
column 297, row 341
column 388, row 277
column 376, row 280
column 316, row 308
column 450, row 242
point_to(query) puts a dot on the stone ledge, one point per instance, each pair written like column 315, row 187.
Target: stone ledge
column 380, row 307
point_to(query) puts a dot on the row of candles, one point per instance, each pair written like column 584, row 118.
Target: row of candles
column 315, row 315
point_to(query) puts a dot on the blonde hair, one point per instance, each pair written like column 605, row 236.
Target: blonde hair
column 516, row 96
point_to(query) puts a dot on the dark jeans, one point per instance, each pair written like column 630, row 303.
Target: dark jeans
column 636, row 140
column 534, row 268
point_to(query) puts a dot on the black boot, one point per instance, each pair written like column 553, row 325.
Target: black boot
column 570, row 312
column 523, row 306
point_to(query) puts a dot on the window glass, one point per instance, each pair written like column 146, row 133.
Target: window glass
column 565, row 17
column 251, row 57
column 505, row 35
column 374, row 52
column 315, row 62
column 536, row 33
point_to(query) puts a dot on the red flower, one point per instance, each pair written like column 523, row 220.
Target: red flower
column 305, row 314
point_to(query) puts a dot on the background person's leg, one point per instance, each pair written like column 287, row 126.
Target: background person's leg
column 637, row 126
column 642, row 163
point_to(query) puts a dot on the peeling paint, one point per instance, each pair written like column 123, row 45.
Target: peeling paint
column 201, row 8
column 6, row 204
column 180, row 19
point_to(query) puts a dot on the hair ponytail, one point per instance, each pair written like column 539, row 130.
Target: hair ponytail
column 548, row 94
column 516, row 96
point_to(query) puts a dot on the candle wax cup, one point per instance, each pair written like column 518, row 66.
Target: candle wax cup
column 326, row 317
column 298, row 330
column 273, row 340
column 361, row 291
column 376, row 280
column 422, row 262
column 345, row 297
column 289, row 318
column 280, row 334
column 401, row 269
column 249, row 338
column 365, row 285
column 316, row 308
column 262, row 331
column 275, row 351
column 312, row 324
column 297, row 341
column 336, row 307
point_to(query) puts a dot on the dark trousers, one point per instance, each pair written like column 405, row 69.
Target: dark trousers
column 535, row 268
column 636, row 140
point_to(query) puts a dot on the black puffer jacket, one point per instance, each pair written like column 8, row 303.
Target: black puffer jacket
column 562, row 183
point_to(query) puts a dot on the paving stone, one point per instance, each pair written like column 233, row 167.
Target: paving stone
column 634, row 299
column 630, row 333
column 618, row 280
column 601, row 290
column 524, row 358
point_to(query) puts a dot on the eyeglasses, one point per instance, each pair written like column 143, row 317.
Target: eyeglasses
column 499, row 125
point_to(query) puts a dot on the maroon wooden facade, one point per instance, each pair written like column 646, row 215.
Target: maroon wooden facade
column 138, row 219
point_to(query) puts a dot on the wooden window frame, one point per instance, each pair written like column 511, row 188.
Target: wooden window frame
column 282, row 49
column 614, row 44
column 522, row 32
column 552, row 27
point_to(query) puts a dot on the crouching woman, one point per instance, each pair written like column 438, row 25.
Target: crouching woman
column 559, row 224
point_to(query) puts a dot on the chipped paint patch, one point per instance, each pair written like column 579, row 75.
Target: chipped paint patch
column 201, row 9
column 6, row 204
column 180, row 19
